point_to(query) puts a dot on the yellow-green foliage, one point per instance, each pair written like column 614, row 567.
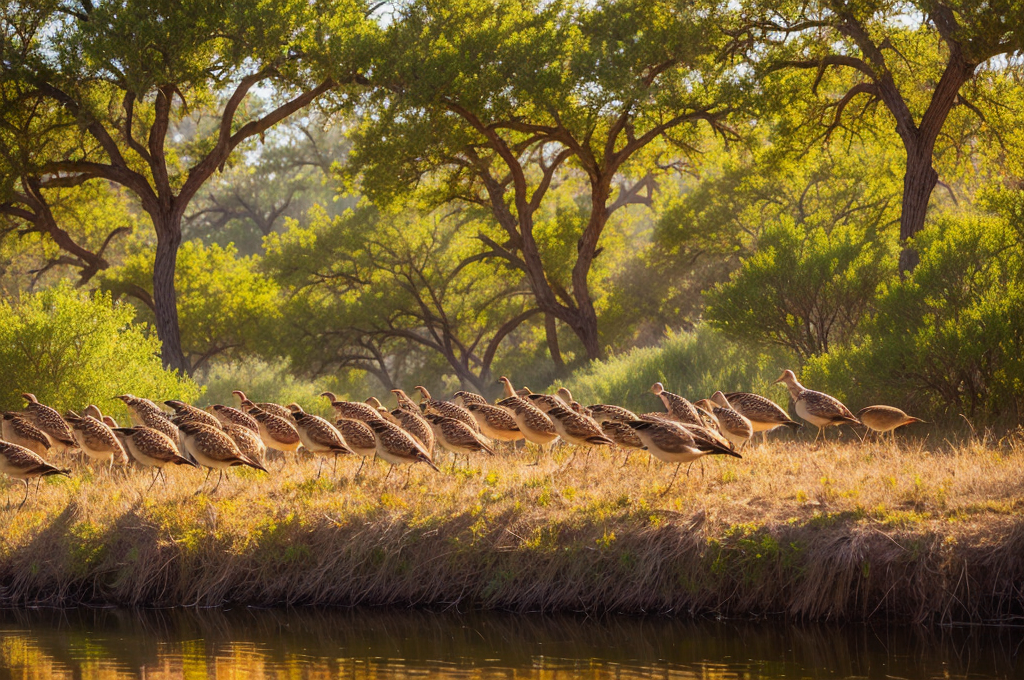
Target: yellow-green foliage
column 71, row 349
column 693, row 363
column 842, row 531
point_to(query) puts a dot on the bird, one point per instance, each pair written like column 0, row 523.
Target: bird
column 319, row 435
column 276, row 432
column 352, row 410
column 464, row 398
column 404, row 402
column 763, row 413
column 817, row 408
column 415, row 424
column 535, row 425
column 622, row 434
column 97, row 440
column 546, row 402
column 193, row 414
column 247, row 441
column 375, row 403
column 23, row 464
column 446, row 408
column 19, row 430
column 495, row 422
column 565, row 395
column 227, row 415
column 601, row 412
column 214, row 449
column 456, row 436
column 577, row 429
column 396, row 446
column 679, row 408
column 358, row 436
column 145, row 413
column 48, row 420
column 275, row 409
column 151, row 448
column 733, row 425
column 673, row 444
column 884, row 419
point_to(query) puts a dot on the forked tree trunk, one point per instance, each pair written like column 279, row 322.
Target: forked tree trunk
column 165, row 298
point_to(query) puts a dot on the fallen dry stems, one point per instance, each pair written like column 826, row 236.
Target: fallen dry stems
column 927, row 531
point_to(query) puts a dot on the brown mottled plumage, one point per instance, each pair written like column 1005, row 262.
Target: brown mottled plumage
column 227, row 415
column 318, row 435
column 763, row 413
column 456, row 436
column 213, row 448
column 601, row 412
column 736, row 428
column 276, row 432
column 353, row 410
column 145, row 413
column 416, row 425
column 358, row 436
column 150, row 447
column 495, row 422
column 817, row 408
column 577, row 429
column 535, row 425
column 49, row 421
column 19, row 430
column 194, row 414
column 22, row 464
column 675, row 444
column 622, row 434
column 97, row 440
column 247, row 441
column 884, row 419
column 546, row 402
column 464, row 398
column 447, row 409
column 679, row 408
column 396, row 446
column 265, row 406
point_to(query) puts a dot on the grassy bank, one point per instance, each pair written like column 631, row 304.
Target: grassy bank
column 930, row 531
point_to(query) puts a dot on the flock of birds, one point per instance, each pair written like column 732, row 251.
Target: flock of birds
column 221, row 437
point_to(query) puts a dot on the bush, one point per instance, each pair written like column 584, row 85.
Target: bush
column 950, row 338
column 805, row 289
column 693, row 363
column 263, row 381
column 72, row 349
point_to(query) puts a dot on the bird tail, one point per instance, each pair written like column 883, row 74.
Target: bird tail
column 850, row 419
column 600, row 440
column 255, row 464
column 181, row 460
column 430, row 463
column 722, row 451
column 49, row 471
column 793, row 425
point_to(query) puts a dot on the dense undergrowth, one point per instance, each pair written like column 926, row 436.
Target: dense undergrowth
column 933, row 530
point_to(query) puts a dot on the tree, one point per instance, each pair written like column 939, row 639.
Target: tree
column 227, row 307
column 366, row 287
column 914, row 57
column 114, row 70
column 492, row 103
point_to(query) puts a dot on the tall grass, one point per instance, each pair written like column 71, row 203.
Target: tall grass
column 932, row 530
column 693, row 363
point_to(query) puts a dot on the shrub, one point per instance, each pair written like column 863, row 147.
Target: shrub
column 265, row 381
column 951, row 336
column 805, row 289
column 693, row 363
column 72, row 349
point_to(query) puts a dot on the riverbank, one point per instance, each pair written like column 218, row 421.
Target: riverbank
column 931, row 531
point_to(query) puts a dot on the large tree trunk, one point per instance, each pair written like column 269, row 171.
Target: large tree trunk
column 918, row 182
column 165, row 299
column 551, row 331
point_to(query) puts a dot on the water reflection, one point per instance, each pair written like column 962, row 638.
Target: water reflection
column 309, row 643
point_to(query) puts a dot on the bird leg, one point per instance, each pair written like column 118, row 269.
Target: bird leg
column 155, row 477
column 320, row 469
column 673, row 480
column 360, row 468
column 629, row 452
column 23, row 500
column 201, row 486
column 334, row 471
column 219, row 480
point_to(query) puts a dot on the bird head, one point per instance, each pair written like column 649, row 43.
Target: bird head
column 788, row 377
column 657, row 388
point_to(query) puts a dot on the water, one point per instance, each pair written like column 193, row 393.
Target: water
column 309, row 643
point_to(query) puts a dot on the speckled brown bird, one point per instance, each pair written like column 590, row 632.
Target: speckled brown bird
column 883, row 419
column 266, row 406
column 464, row 398
column 546, row 402
column 227, row 415
column 194, row 414
column 19, row 430
column 151, row 448
column 577, row 429
column 565, row 395
column 214, row 449
column 622, row 434
column 276, row 432
column 817, row 408
column 405, row 402
column 671, row 443
column 678, row 408
column 763, row 413
column 731, row 423
column 416, row 425
column 446, row 408
column 145, row 413
column 247, row 441
column 97, row 440
column 601, row 412
column 495, row 422
column 352, row 410
column 396, row 446
column 358, row 436
column 535, row 425
column 456, row 436
column 49, row 421
column 319, row 435
column 22, row 464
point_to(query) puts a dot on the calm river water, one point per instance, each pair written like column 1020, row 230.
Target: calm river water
column 370, row 643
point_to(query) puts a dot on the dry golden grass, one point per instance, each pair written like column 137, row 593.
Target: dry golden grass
column 931, row 530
